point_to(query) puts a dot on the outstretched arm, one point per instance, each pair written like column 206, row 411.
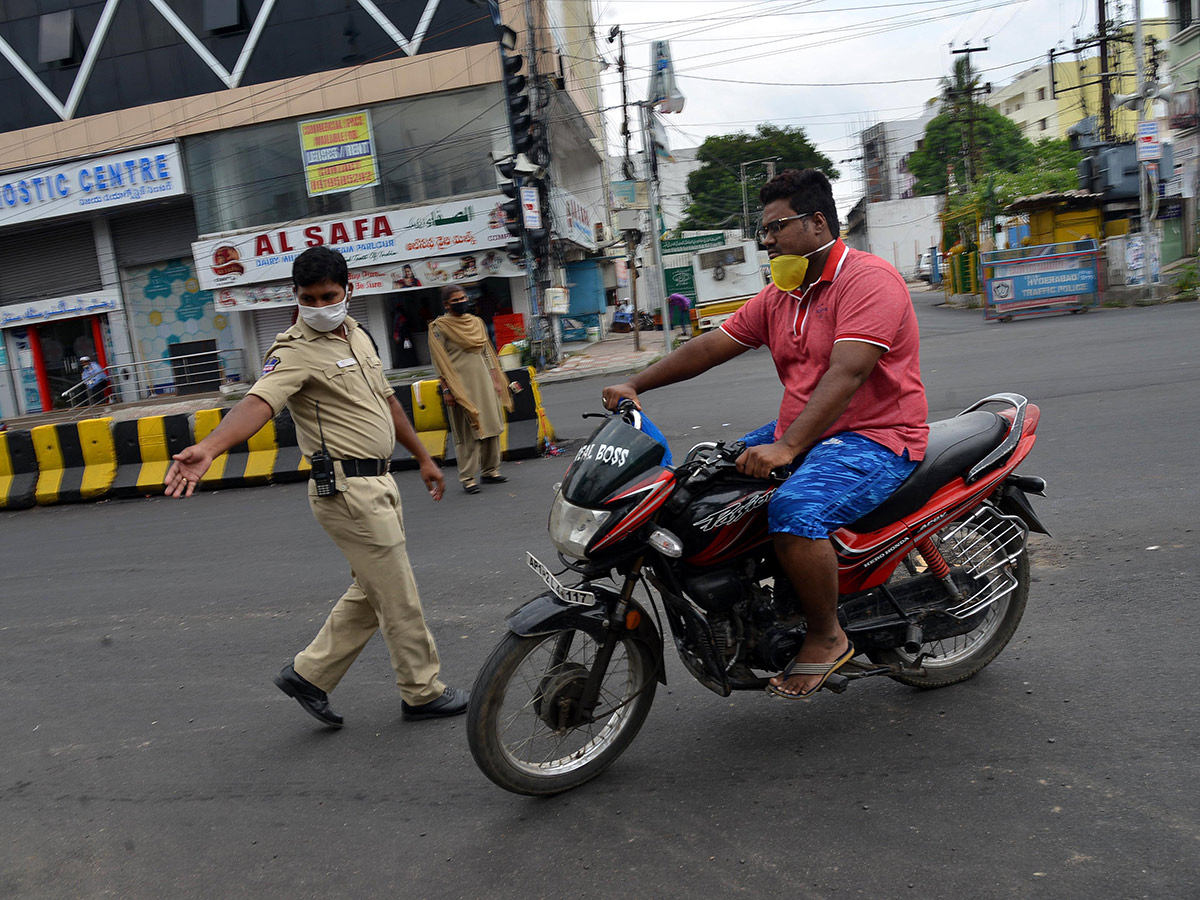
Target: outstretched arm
column 694, row 358
column 240, row 424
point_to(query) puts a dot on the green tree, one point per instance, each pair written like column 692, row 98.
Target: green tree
column 1053, row 168
column 715, row 188
column 998, row 143
column 960, row 86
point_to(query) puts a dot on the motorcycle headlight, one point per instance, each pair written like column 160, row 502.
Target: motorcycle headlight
column 572, row 527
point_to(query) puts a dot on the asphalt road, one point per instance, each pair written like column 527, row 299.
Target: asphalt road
column 147, row 755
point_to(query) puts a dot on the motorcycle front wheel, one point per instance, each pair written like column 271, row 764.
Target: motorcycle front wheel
column 951, row 660
column 525, row 727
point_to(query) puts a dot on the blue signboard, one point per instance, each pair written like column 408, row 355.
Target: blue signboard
column 1041, row 285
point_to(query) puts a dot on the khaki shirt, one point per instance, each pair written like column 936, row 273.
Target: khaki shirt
column 304, row 367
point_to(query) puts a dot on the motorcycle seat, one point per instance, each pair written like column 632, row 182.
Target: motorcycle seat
column 955, row 445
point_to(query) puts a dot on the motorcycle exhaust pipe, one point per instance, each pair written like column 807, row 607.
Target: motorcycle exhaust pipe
column 913, row 639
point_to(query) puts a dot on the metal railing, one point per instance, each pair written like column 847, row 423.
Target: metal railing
column 192, row 373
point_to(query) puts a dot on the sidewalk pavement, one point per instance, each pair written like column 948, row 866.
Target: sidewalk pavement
column 612, row 356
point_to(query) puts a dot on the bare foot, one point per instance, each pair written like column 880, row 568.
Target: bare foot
column 815, row 650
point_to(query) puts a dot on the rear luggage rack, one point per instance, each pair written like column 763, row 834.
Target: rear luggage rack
column 985, row 545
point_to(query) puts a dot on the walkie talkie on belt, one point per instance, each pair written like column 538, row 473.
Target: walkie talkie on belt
column 322, row 464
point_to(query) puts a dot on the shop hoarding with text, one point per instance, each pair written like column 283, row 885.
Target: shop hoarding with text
column 461, row 227
column 83, row 185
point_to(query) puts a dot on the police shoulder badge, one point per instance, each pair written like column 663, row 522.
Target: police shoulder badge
column 270, row 364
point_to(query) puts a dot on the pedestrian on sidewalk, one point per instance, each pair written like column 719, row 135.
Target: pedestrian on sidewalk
column 326, row 370
column 473, row 388
column 95, row 379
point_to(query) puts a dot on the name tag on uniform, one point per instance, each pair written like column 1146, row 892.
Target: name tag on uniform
column 346, row 363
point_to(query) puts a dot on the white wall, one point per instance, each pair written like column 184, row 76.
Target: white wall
column 898, row 230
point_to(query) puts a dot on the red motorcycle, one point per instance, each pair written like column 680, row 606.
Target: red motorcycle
column 933, row 584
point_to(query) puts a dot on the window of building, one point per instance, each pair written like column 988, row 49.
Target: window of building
column 59, row 43
column 1042, row 125
column 427, row 148
column 1183, row 13
column 1041, row 94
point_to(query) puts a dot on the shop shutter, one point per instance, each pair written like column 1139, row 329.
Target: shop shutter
column 268, row 323
column 151, row 236
column 49, row 261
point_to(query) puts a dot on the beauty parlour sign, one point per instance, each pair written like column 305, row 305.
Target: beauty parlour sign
column 371, row 240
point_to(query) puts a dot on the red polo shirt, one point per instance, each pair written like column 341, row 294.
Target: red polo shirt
column 858, row 297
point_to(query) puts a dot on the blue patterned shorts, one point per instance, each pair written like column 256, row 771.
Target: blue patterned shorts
column 838, row 481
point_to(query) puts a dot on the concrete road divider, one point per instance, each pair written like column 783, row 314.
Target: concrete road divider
column 422, row 403
column 521, row 437
column 250, row 462
column 18, row 470
column 95, row 458
column 290, row 464
column 144, row 450
column 76, row 461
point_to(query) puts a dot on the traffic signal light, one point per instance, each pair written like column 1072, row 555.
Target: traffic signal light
column 517, row 100
column 511, row 208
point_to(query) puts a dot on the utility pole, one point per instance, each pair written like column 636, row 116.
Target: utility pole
column 1143, row 173
column 616, row 34
column 970, row 92
column 770, row 161
column 655, row 235
column 1106, row 130
column 628, row 165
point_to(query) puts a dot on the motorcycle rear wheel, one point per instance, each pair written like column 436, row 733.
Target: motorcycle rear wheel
column 951, row 660
column 522, row 726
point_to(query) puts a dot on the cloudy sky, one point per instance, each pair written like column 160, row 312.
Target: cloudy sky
column 832, row 67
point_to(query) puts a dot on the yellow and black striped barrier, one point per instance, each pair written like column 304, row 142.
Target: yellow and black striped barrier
column 250, row 462
column 97, row 458
column 76, row 461
column 290, row 463
column 422, row 403
column 18, row 470
column 144, row 450
column 522, row 437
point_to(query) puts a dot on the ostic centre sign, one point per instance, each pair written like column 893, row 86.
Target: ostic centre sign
column 83, row 185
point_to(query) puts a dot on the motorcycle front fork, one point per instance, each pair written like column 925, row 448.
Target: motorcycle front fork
column 615, row 625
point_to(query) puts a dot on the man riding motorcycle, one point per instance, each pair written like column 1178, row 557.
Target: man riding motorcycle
column 843, row 334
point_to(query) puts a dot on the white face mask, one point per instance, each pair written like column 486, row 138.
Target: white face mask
column 323, row 318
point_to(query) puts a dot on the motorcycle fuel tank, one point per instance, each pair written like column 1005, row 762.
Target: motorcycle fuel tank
column 724, row 520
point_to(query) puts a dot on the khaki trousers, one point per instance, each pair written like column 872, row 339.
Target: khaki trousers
column 474, row 454
column 365, row 521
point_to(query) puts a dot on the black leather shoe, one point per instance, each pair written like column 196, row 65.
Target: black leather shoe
column 471, row 488
column 494, row 479
column 314, row 700
column 451, row 703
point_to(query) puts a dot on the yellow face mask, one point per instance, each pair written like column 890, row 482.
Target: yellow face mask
column 788, row 271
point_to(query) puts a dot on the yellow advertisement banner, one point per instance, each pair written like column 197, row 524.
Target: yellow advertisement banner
column 339, row 153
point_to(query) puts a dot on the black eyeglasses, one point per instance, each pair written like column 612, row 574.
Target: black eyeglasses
column 773, row 228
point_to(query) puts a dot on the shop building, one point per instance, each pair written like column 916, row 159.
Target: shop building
column 163, row 161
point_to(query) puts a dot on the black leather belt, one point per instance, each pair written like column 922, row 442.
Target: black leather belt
column 365, row 467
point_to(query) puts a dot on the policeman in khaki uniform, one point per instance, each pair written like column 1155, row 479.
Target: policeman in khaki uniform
column 325, row 369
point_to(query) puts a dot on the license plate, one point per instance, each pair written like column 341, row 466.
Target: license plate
column 563, row 593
